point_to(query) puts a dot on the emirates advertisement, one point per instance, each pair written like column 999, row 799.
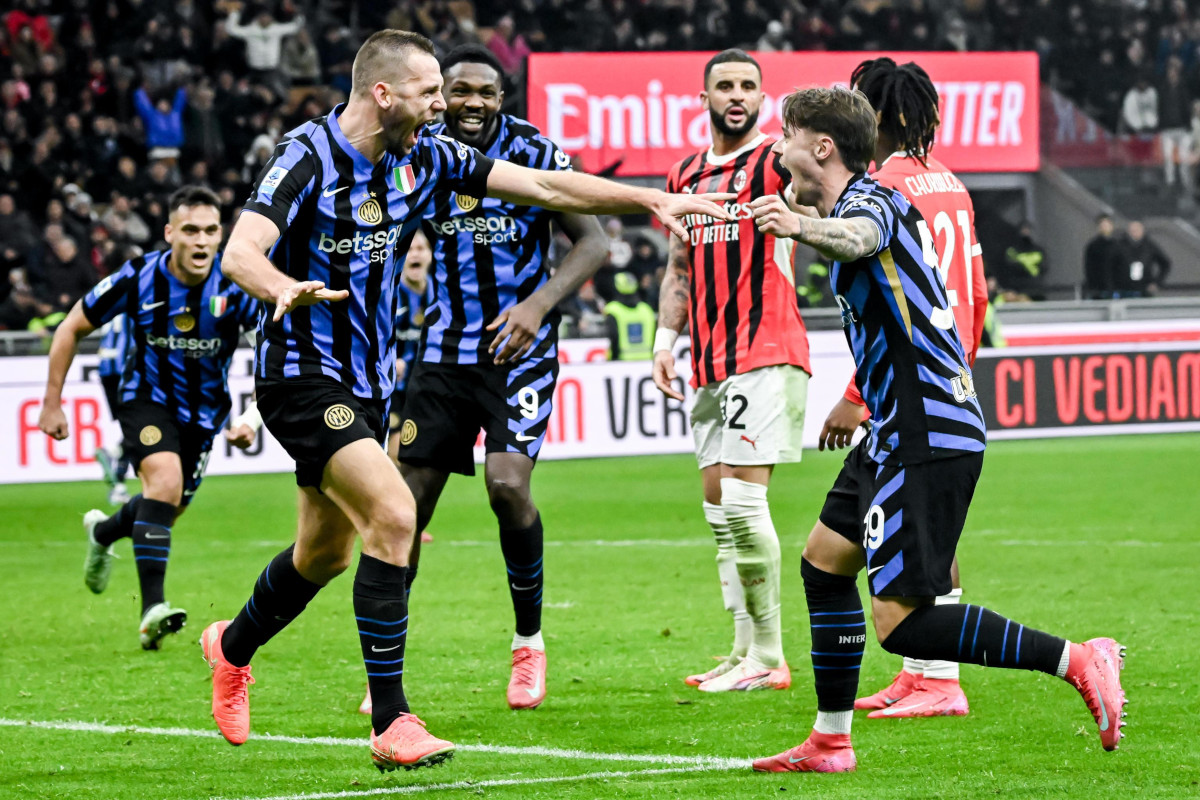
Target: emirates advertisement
column 641, row 112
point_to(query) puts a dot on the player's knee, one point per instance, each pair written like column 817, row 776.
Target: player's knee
column 321, row 564
column 509, row 498
column 392, row 522
column 166, row 486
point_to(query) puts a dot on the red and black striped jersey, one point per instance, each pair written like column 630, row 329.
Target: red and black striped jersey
column 743, row 313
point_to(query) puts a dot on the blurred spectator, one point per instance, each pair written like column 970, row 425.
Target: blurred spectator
column 22, row 308
column 1022, row 275
column 300, row 60
column 1101, row 261
column 508, row 46
column 586, row 309
column 774, row 39
column 64, row 276
column 122, row 222
column 1139, row 109
column 1143, row 266
column 16, row 228
column 646, row 265
column 629, row 322
column 1175, row 120
column 264, row 41
column 163, row 121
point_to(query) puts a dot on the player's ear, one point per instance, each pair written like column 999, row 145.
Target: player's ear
column 704, row 100
column 168, row 233
column 380, row 92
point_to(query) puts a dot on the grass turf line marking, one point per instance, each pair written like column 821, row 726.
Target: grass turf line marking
column 438, row 787
column 695, row 762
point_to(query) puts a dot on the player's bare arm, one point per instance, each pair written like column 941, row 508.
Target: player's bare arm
column 673, row 300
column 522, row 322
column 63, row 347
column 839, row 239
column 246, row 264
column 587, row 194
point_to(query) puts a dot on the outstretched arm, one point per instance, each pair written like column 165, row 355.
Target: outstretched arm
column 63, row 347
column 522, row 322
column 838, row 239
column 587, row 194
column 248, row 267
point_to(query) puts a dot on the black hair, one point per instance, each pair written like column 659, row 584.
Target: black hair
column 731, row 56
column 472, row 54
column 905, row 99
column 193, row 196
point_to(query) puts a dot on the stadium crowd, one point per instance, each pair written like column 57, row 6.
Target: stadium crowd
column 107, row 106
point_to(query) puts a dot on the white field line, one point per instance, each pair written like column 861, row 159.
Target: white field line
column 437, row 787
column 693, row 762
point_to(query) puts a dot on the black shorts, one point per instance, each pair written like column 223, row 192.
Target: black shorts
column 112, row 392
column 313, row 418
column 148, row 428
column 447, row 404
column 907, row 519
column 396, row 411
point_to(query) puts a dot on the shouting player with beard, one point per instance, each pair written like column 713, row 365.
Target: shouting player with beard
column 733, row 286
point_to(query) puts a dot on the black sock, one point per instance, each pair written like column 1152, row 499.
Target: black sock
column 839, row 635
column 973, row 635
column 120, row 524
column 408, row 580
column 151, row 547
column 382, row 614
column 522, row 549
column 280, row 594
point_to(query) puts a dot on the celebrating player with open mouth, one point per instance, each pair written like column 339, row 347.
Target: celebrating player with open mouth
column 733, row 286
column 334, row 211
column 898, row 507
column 185, row 319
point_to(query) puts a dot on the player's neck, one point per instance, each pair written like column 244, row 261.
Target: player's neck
column 362, row 130
column 724, row 144
column 182, row 275
column 833, row 184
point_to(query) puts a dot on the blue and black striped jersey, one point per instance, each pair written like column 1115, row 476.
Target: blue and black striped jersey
column 348, row 222
column 114, row 341
column 410, row 317
column 911, row 369
column 182, row 337
column 489, row 255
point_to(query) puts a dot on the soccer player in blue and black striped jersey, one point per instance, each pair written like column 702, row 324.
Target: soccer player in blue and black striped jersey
column 322, row 241
column 898, row 507
column 489, row 355
column 114, row 343
column 184, row 318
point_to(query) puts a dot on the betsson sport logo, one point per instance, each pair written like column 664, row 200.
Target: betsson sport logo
column 190, row 347
column 378, row 244
column 485, row 230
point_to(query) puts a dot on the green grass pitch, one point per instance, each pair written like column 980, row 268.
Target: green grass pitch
column 1081, row 537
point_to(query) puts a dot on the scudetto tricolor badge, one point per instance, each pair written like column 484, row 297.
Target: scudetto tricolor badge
column 405, row 180
column 217, row 305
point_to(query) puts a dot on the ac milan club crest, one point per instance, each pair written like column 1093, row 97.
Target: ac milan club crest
column 739, row 180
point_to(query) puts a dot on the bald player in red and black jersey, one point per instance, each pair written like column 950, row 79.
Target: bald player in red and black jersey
column 734, row 287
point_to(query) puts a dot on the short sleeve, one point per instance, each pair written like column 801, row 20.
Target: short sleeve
column 284, row 183
column 877, row 208
column 548, row 155
column 110, row 297
column 462, row 166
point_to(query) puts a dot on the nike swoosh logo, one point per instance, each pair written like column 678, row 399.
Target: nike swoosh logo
column 523, row 588
column 328, row 193
column 151, row 306
column 525, row 437
column 797, row 760
column 537, row 685
column 872, row 571
column 156, row 536
column 375, row 649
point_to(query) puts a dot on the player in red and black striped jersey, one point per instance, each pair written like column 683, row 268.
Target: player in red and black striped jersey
column 906, row 102
column 734, row 287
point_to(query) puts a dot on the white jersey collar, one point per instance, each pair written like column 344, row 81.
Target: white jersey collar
column 721, row 161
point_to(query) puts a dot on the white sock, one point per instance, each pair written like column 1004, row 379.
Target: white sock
column 731, row 585
column 835, row 722
column 942, row 670
column 1065, row 661
column 914, row 666
column 534, row 641
column 758, row 564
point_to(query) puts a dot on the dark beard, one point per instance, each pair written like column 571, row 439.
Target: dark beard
column 718, row 123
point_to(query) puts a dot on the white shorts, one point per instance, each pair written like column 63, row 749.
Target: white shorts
column 752, row 419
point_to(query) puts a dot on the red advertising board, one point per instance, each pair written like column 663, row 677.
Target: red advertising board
column 643, row 110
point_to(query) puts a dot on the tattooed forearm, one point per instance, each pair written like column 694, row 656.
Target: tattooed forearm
column 675, row 293
column 840, row 239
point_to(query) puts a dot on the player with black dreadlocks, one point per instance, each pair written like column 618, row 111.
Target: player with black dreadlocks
column 906, row 105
